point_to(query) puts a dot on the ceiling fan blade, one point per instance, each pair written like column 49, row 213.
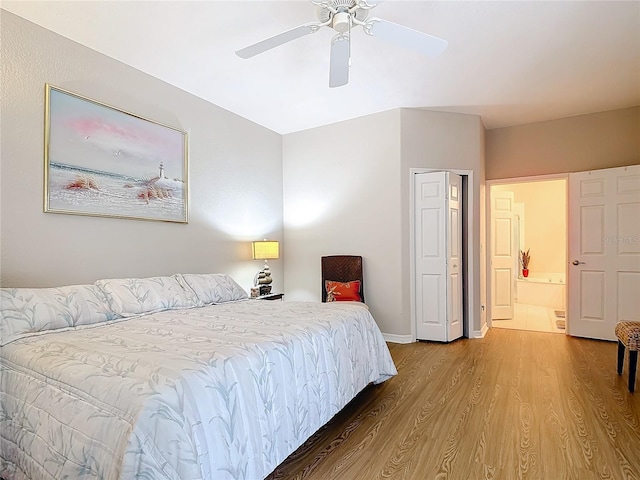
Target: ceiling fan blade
column 277, row 40
column 407, row 37
column 339, row 63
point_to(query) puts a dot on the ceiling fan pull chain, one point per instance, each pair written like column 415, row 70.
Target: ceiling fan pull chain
column 349, row 33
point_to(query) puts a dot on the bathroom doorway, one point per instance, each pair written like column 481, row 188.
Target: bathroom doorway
column 528, row 228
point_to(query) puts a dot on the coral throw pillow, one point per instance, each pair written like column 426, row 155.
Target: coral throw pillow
column 343, row 291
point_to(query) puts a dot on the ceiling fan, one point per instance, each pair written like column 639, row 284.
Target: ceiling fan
column 342, row 15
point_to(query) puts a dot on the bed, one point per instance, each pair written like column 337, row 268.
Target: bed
column 171, row 383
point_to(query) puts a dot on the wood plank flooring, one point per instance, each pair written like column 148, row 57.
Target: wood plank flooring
column 514, row 405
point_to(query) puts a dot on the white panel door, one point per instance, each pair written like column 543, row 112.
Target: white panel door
column 503, row 255
column 438, row 256
column 604, row 251
column 454, row 257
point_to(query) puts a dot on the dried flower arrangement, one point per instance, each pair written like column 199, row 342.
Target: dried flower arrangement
column 525, row 258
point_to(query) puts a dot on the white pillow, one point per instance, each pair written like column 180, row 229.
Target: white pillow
column 134, row 296
column 214, row 287
column 27, row 310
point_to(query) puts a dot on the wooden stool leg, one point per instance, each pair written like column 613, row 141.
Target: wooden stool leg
column 633, row 363
column 620, row 356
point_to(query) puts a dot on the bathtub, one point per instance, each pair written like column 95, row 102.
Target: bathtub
column 542, row 289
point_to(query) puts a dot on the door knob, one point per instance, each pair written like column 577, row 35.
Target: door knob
column 577, row 262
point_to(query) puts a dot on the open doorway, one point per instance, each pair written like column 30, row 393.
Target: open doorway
column 528, row 216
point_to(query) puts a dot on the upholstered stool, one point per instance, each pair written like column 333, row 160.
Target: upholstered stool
column 628, row 334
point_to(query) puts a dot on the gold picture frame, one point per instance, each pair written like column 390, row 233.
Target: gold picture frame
column 103, row 161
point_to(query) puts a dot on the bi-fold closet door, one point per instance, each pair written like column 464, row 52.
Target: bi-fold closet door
column 438, row 256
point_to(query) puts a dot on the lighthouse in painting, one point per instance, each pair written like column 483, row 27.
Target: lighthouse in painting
column 161, row 170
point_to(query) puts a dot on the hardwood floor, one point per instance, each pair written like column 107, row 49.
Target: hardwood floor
column 514, row 405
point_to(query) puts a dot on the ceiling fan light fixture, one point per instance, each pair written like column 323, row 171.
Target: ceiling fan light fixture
column 341, row 22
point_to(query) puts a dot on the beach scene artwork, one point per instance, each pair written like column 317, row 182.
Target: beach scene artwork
column 106, row 162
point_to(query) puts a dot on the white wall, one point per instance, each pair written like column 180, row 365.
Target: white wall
column 235, row 175
column 446, row 141
column 346, row 191
column 342, row 196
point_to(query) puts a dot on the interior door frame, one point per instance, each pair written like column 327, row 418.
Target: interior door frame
column 468, row 299
column 488, row 240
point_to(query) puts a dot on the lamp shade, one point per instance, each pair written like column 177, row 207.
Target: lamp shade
column 265, row 250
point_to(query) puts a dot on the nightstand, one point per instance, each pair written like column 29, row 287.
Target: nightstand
column 270, row 296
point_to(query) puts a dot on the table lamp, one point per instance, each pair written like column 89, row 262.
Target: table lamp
column 264, row 250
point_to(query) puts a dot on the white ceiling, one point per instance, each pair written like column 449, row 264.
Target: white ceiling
column 512, row 62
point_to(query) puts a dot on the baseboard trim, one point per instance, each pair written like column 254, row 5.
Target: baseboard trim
column 482, row 332
column 393, row 338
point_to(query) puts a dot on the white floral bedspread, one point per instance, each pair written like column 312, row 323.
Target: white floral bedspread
column 220, row 392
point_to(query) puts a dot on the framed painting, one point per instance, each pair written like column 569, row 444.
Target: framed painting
column 102, row 161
